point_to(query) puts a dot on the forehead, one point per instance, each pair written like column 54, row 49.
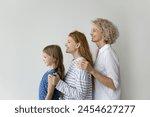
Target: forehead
column 70, row 39
column 45, row 54
column 94, row 26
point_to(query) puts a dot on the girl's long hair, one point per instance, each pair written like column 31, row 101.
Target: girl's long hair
column 55, row 51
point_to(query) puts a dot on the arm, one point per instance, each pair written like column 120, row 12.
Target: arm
column 80, row 88
column 107, row 81
column 103, row 79
column 50, row 89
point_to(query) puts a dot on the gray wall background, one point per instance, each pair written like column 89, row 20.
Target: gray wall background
column 27, row 26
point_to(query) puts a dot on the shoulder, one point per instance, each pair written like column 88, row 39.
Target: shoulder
column 51, row 71
column 45, row 75
column 111, row 57
column 76, row 62
column 109, row 52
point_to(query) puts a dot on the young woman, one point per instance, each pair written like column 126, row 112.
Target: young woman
column 77, row 84
column 53, row 59
column 106, row 70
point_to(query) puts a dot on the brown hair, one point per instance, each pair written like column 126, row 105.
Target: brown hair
column 55, row 51
column 109, row 30
column 84, row 49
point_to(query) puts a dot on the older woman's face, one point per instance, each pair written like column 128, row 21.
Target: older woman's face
column 96, row 33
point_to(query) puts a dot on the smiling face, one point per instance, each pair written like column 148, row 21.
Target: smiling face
column 96, row 33
column 71, row 45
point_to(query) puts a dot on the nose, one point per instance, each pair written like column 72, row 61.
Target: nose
column 43, row 60
column 66, row 44
column 91, row 34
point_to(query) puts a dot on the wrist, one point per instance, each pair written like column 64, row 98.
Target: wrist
column 92, row 72
column 54, row 85
column 56, row 82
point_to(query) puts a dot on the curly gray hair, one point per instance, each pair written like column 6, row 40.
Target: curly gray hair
column 109, row 30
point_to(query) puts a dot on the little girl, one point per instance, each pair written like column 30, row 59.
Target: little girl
column 53, row 58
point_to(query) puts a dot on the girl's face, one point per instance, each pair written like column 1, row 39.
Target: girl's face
column 96, row 33
column 48, row 60
column 71, row 45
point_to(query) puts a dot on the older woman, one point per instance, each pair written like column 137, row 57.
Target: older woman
column 106, row 70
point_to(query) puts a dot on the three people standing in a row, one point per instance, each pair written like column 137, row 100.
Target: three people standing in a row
column 77, row 83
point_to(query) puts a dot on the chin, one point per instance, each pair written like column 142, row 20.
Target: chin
column 93, row 40
column 67, row 51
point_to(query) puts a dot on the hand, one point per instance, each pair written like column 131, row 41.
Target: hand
column 86, row 66
column 53, row 79
column 50, row 90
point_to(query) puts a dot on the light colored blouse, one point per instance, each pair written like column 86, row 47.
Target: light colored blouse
column 107, row 63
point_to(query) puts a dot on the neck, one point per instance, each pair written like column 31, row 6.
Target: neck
column 76, row 55
column 100, row 44
column 51, row 67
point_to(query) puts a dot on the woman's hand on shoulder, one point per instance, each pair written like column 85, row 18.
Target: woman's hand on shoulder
column 86, row 66
column 53, row 79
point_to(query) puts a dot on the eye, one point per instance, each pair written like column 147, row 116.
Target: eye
column 95, row 30
column 44, row 56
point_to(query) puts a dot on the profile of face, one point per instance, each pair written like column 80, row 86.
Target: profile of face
column 71, row 45
column 96, row 33
column 48, row 60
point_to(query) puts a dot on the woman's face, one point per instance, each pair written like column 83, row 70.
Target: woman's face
column 48, row 60
column 96, row 33
column 71, row 45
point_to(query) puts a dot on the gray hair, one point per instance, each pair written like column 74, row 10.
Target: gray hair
column 109, row 30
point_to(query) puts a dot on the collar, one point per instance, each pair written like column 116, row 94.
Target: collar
column 51, row 71
column 101, row 50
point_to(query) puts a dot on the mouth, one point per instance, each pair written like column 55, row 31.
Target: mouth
column 66, row 49
column 93, row 37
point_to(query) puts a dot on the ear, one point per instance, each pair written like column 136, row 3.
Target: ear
column 78, row 45
column 54, row 60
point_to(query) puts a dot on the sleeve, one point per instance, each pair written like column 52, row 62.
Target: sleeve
column 112, row 68
column 80, row 88
column 42, row 88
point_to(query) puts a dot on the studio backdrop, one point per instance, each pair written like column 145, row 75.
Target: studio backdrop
column 27, row 26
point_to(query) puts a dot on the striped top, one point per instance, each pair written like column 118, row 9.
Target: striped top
column 77, row 84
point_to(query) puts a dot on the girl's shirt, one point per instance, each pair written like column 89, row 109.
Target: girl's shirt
column 44, row 85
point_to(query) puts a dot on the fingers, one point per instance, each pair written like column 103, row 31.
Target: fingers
column 52, row 76
column 79, row 64
column 53, row 79
column 84, row 64
column 56, row 75
column 49, row 75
